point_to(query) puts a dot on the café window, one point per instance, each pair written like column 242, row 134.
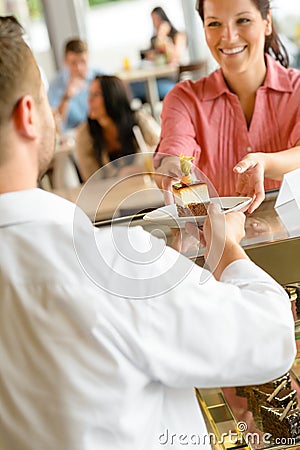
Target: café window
column 30, row 15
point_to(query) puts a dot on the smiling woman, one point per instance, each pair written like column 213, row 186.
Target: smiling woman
column 239, row 108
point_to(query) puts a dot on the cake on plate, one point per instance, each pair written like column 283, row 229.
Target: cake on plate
column 191, row 198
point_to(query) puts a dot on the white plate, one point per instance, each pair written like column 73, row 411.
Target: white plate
column 167, row 215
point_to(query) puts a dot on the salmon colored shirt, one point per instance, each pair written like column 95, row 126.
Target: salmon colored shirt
column 205, row 119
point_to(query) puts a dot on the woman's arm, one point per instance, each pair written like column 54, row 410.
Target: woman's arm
column 174, row 49
column 179, row 46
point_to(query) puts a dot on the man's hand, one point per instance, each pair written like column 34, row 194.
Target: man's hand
column 222, row 229
column 75, row 85
column 221, row 236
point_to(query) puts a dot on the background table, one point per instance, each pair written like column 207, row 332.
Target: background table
column 149, row 75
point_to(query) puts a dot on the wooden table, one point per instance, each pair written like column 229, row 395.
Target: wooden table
column 149, row 75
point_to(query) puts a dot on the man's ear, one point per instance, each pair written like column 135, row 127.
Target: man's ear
column 25, row 117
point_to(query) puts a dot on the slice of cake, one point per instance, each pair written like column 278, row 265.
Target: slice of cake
column 243, row 391
column 270, row 398
column 281, row 422
column 280, row 400
column 192, row 199
column 278, row 381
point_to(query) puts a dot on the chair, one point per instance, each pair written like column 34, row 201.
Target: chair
column 192, row 71
column 65, row 171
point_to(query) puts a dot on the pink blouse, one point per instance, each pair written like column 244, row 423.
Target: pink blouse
column 205, row 119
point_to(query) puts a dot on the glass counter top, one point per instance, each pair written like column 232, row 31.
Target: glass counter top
column 272, row 238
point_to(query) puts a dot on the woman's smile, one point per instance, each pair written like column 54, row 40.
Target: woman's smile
column 233, row 51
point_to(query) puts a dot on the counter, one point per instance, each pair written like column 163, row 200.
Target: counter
column 272, row 238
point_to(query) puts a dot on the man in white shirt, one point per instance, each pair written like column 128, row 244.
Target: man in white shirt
column 104, row 332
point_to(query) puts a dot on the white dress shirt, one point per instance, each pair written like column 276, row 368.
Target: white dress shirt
column 105, row 332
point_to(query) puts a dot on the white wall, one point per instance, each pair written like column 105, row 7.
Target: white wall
column 287, row 14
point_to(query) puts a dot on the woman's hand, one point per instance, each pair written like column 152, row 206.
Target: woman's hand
column 250, row 178
column 167, row 174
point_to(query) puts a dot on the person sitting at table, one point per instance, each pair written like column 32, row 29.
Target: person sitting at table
column 105, row 331
column 68, row 91
column 254, row 167
column 250, row 104
column 110, row 131
column 167, row 46
column 167, row 41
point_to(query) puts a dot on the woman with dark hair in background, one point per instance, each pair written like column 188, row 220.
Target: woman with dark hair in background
column 250, row 104
column 167, row 46
column 167, row 40
column 108, row 134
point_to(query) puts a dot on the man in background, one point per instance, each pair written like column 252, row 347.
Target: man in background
column 68, row 91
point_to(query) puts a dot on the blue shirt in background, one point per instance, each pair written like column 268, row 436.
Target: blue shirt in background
column 78, row 104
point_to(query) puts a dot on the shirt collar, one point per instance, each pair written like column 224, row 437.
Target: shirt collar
column 215, row 86
column 277, row 78
column 34, row 205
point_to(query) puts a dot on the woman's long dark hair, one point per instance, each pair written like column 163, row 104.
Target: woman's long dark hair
column 161, row 13
column 117, row 105
column 273, row 44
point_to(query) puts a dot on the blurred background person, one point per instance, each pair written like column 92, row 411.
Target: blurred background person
column 109, row 132
column 167, row 40
column 250, row 104
column 68, row 91
column 168, row 46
